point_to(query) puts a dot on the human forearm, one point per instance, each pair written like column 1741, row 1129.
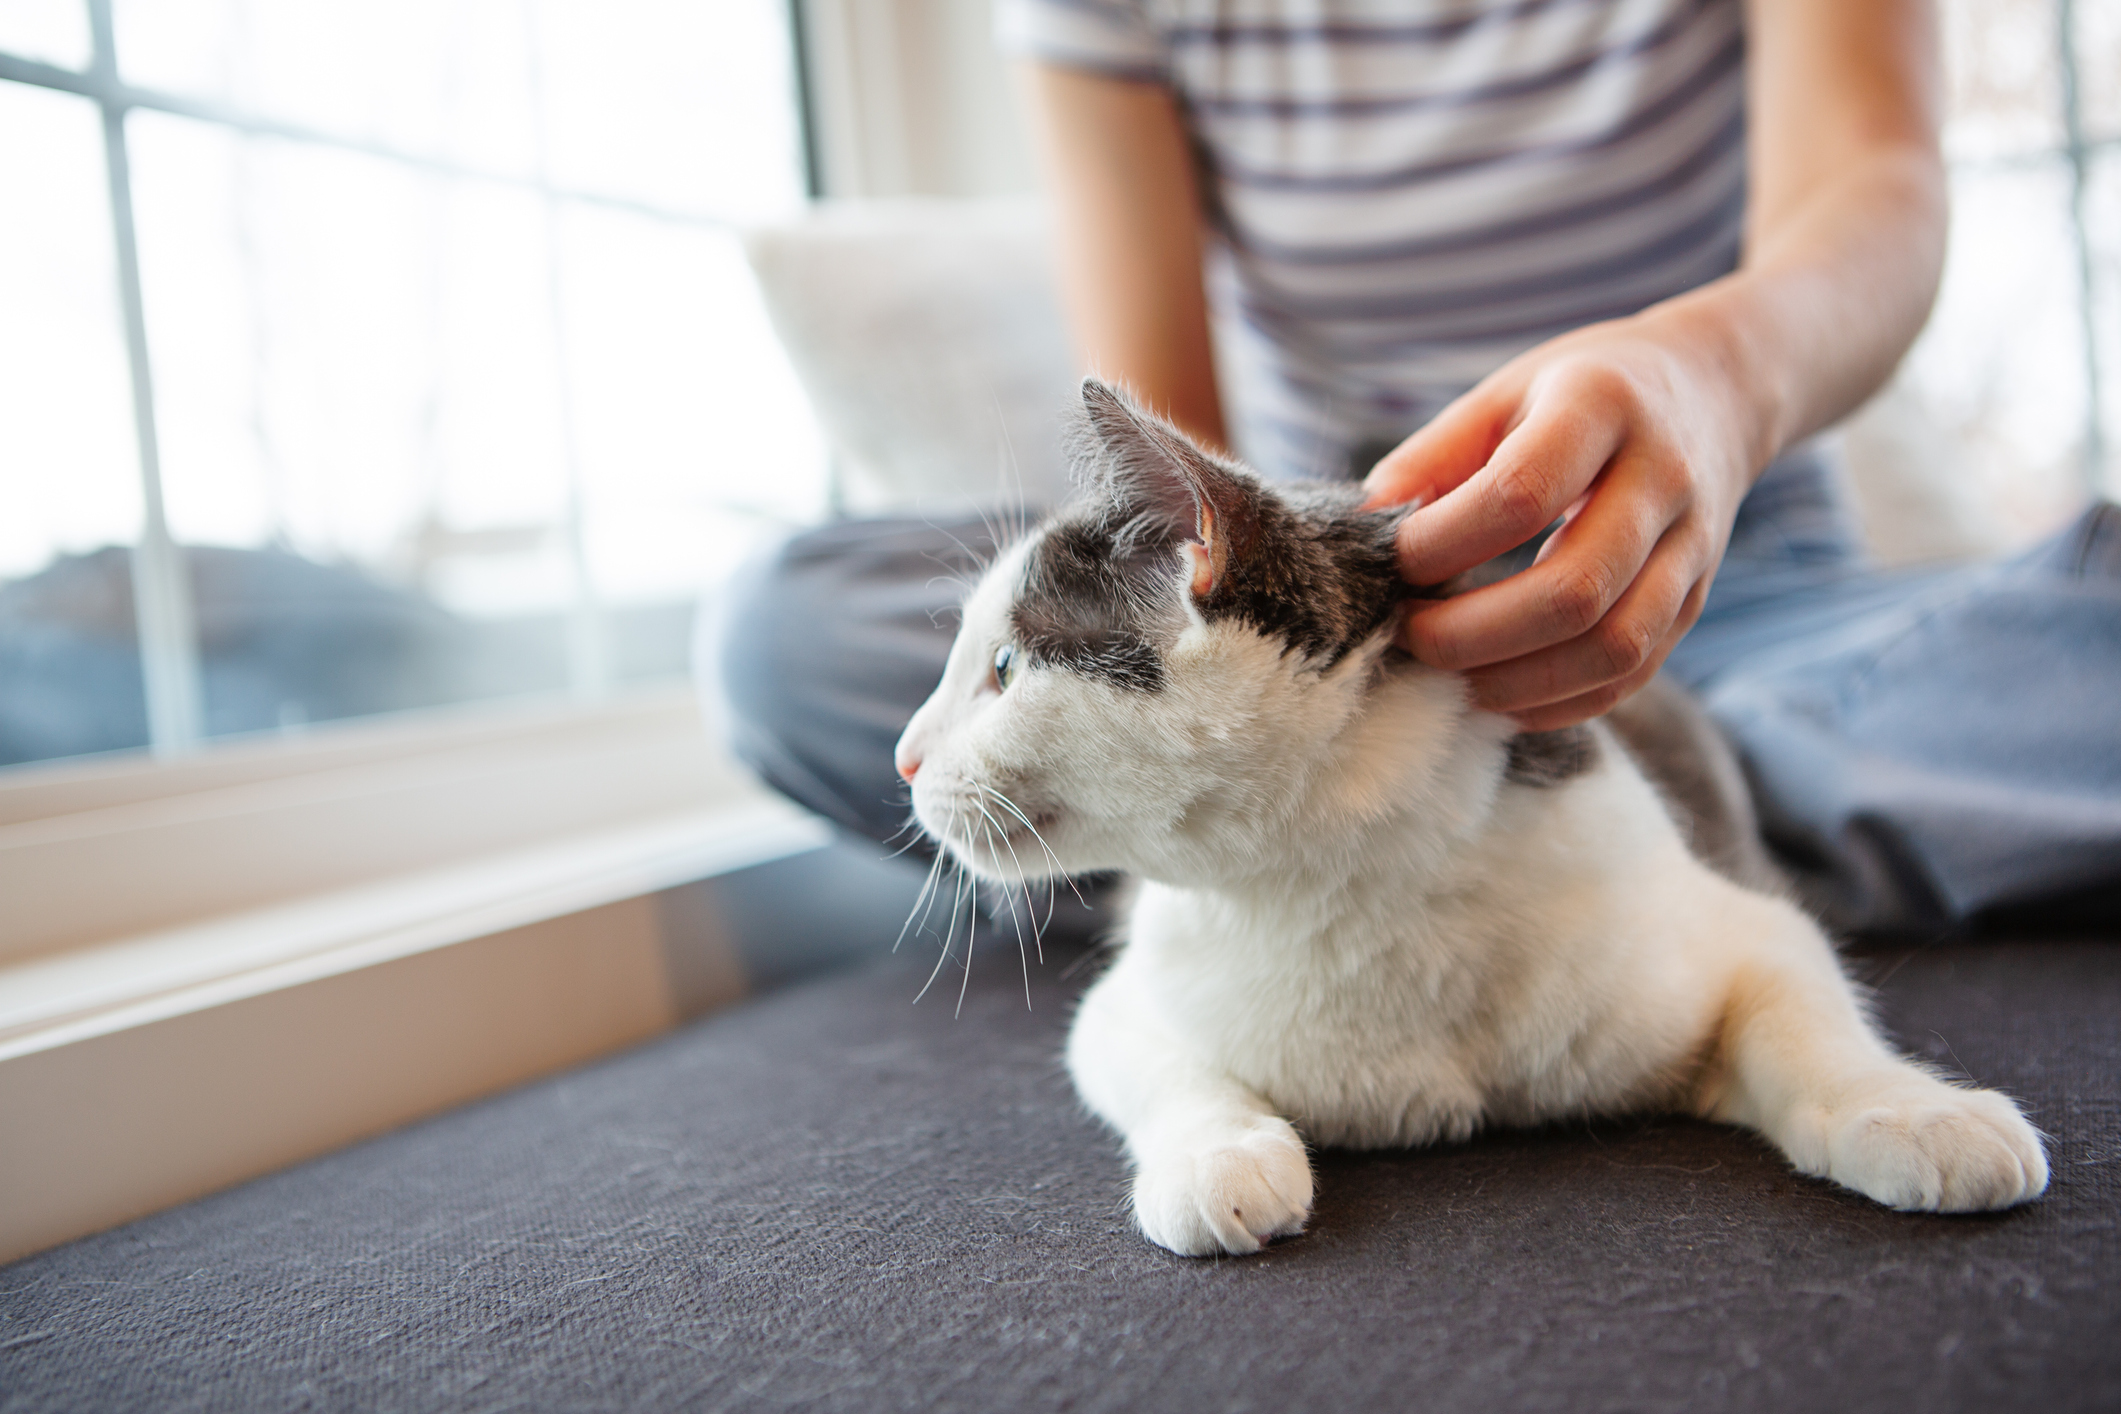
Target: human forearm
column 1127, row 219
column 1827, row 300
column 1846, row 217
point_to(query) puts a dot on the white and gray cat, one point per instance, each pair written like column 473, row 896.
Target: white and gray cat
column 1370, row 915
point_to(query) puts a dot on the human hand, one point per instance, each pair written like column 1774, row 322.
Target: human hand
column 1636, row 435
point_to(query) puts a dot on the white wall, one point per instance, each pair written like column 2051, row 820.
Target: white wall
column 911, row 98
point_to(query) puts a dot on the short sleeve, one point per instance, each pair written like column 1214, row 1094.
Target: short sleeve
column 1112, row 37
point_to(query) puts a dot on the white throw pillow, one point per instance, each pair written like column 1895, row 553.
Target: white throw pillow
column 928, row 335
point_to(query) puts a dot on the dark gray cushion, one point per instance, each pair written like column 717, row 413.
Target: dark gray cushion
column 834, row 1199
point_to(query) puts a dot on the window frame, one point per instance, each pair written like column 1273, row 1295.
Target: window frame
column 164, row 612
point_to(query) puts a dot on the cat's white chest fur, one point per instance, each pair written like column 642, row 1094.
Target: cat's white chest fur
column 1386, row 997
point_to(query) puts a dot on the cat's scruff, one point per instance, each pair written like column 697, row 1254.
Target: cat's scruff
column 1371, row 915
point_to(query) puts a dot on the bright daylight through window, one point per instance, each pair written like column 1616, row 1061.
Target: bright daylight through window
column 2016, row 381
column 445, row 365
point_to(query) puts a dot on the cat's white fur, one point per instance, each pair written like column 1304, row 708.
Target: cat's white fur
column 1354, row 930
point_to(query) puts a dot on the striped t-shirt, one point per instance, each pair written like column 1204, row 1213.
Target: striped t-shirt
column 1411, row 192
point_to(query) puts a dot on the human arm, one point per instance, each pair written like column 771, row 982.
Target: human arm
column 1646, row 432
column 1127, row 208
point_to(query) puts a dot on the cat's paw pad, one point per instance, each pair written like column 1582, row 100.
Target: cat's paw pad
column 1940, row 1150
column 1232, row 1192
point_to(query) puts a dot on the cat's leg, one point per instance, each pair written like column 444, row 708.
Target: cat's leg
column 1215, row 1168
column 1798, row 1061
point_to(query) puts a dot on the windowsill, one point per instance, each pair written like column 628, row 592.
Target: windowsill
column 276, row 821
column 317, row 939
column 85, row 992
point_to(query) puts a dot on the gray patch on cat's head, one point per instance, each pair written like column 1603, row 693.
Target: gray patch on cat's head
column 1099, row 594
column 1088, row 601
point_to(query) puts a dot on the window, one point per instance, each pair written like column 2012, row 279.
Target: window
column 2017, row 379
column 422, row 328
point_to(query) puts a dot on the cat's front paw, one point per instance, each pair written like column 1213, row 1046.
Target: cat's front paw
column 1933, row 1148
column 1231, row 1190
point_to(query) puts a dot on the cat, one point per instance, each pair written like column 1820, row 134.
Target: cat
column 1369, row 915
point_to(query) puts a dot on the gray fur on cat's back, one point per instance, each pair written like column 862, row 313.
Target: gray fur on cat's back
column 1685, row 756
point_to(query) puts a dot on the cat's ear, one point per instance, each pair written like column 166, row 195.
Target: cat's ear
column 1154, row 472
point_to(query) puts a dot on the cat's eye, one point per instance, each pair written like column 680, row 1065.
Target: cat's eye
column 1004, row 666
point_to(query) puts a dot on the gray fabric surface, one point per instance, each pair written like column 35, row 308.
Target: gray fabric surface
column 831, row 1199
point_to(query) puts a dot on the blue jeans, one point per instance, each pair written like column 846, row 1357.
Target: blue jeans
column 1926, row 747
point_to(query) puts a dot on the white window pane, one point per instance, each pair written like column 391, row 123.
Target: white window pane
column 680, row 105
column 352, row 348
column 448, row 80
column 69, row 470
column 694, row 433
column 2103, row 218
column 2003, row 77
column 2000, row 368
column 54, row 31
column 666, row 102
column 69, row 465
column 360, row 393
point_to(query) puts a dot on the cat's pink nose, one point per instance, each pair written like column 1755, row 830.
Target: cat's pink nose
column 907, row 763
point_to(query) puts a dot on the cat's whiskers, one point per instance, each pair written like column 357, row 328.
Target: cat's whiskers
column 970, row 923
column 1013, row 492
column 957, row 904
column 1023, row 878
column 1018, row 811
column 994, row 532
column 980, row 563
column 923, row 902
column 913, row 832
column 995, row 830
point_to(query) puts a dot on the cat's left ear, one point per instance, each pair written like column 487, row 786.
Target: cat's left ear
column 1158, row 473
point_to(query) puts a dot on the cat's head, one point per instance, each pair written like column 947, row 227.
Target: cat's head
column 1153, row 677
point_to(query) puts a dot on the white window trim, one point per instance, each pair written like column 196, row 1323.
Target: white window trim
column 910, row 98
column 478, row 906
